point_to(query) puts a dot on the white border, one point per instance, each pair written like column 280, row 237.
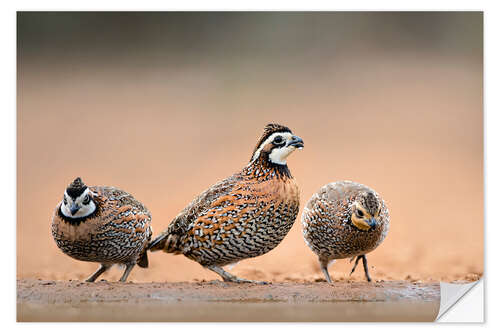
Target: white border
column 8, row 130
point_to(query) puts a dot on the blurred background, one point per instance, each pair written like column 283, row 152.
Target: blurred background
column 164, row 104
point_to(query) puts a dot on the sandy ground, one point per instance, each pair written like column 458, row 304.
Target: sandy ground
column 43, row 300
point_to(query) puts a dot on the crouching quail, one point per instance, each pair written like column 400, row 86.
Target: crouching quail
column 102, row 224
column 243, row 216
column 343, row 220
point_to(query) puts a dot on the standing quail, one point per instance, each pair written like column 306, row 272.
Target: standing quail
column 102, row 224
column 243, row 216
column 344, row 220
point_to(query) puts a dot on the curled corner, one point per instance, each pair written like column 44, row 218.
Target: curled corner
column 451, row 294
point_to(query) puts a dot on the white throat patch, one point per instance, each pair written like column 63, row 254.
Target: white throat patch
column 277, row 155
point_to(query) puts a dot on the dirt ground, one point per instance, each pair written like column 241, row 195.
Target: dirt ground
column 42, row 300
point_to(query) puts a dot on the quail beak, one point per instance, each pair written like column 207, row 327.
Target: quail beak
column 74, row 208
column 371, row 222
column 296, row 142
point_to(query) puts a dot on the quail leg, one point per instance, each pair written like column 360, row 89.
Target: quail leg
column 355, row 264
column 227, row 277
column 365, row 266
column 324, row 268
column 127, row 271
column 97, row 273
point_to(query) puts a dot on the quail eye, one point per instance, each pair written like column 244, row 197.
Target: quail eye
column 278, row 139
column 86, row 200
column 65, row 201
column 359, row 213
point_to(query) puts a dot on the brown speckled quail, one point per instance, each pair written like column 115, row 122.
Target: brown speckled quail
column 243, row 216
column 344, row 220
column 102, row 224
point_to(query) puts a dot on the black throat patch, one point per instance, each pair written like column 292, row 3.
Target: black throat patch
column 77, row 220
column 263, row 167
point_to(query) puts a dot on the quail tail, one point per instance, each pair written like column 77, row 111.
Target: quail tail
column 158, row 243
column 168, row 242
column 143, row 260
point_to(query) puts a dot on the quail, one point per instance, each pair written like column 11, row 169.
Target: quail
column 344, row 220
column 102, row 224
column 243, row 216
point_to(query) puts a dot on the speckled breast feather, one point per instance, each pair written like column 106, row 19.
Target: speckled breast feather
column 118, row 232
column 243, row 216
column 326, row 224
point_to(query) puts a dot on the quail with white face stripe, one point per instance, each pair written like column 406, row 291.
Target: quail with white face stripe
column 243, row 216
column 102, row 224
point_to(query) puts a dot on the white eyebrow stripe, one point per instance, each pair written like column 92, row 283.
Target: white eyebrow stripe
column 268, row 140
